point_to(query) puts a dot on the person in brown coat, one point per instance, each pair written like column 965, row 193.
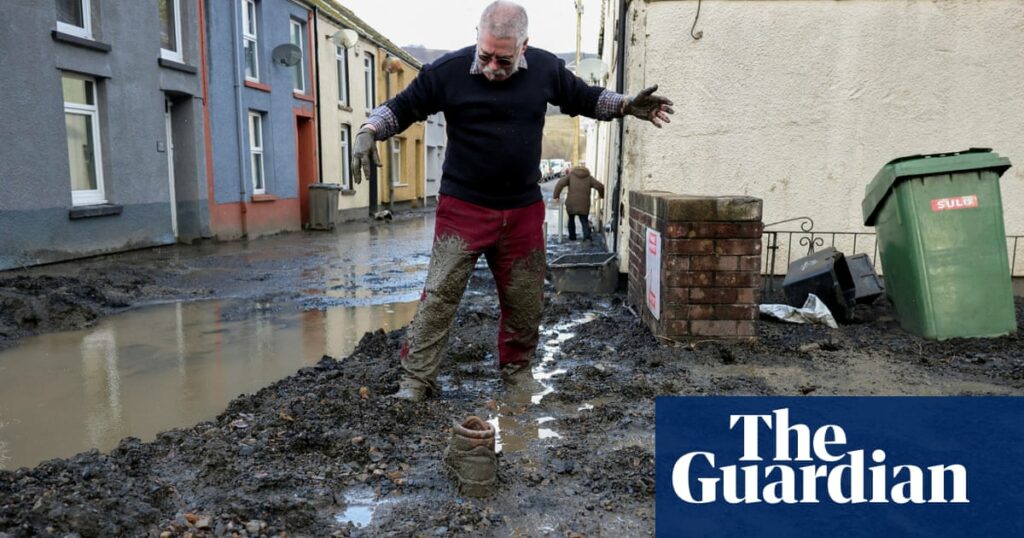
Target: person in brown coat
column 577, row 202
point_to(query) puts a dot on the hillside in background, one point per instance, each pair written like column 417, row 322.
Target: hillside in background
column 558, row 131
column 423, row 54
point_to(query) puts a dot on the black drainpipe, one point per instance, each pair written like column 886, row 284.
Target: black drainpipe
column 620, row 87
column 316, row 74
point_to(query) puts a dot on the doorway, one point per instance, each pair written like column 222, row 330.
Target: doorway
column 305, row 154
column 168, row 128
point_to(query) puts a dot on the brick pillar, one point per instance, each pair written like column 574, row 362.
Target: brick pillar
column 710, row 263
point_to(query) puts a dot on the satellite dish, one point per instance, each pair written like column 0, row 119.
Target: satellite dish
column 346, row 38
column 286, row 55
column 592, row 69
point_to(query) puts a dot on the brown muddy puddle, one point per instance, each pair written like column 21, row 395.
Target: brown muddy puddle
column 160, row 367
column 512, row 417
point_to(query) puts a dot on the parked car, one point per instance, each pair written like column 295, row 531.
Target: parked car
column 545, row 169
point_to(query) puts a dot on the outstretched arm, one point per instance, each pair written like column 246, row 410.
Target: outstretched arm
column 412, row 104
column 647, row 106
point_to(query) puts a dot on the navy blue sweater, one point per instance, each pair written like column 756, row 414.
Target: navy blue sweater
column 494, row 128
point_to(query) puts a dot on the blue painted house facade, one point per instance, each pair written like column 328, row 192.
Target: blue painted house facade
column 262, row 116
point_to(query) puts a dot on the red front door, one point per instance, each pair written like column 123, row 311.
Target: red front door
column 305, row 153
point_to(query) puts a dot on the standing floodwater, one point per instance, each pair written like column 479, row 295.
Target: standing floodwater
column 161, row 367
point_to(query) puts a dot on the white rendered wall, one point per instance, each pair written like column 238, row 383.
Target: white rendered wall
column 801, row 102
column 333, row 114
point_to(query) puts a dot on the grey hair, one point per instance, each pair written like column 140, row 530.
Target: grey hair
column 504, row 20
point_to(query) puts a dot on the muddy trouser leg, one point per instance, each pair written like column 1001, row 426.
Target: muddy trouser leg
column 460, row 233
column 517, row 261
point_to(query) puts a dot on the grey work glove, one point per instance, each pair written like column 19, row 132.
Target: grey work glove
column 364, row 154
column 647, row 106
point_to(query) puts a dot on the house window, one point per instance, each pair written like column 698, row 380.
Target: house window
column 170, row 29
column 346, row 157
column 299, row 70
column 73, row 17
column 250, row 40
column 342, row 58
column 259, row 185
column 396, row 161
column 368, row 79
column 81, row 118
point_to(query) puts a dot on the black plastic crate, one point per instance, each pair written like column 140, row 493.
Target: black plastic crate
column 825, row 274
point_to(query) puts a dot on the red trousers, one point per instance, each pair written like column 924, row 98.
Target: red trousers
column 512, row 241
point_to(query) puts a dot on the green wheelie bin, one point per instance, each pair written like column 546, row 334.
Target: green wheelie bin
column 942, row 243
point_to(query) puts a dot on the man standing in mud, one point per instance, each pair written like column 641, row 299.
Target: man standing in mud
column 494, row 96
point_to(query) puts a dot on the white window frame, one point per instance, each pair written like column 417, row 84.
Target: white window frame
column 370, row 80
column 301, row 66
column 341, row 60
column 396, row 161
column 256, row 153
column 174, row 54
column 84, row 31
column 252, row 37
column 345, row 137
column 96, row 196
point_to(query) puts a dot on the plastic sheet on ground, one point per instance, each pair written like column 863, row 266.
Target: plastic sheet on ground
column 813, row 311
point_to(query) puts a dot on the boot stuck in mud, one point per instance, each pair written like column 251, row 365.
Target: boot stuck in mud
column 470, row 457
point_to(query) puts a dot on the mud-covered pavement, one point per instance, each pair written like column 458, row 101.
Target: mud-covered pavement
column 359, row 263
column 325, row 452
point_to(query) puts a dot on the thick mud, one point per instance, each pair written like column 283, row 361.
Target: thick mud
column 43, row 303
column 325, row 452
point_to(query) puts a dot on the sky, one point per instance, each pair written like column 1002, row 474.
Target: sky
column 451, row 24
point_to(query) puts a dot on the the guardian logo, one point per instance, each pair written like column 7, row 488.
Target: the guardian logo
column 810, row 467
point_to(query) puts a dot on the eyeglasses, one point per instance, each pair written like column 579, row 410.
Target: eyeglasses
column 504, row 61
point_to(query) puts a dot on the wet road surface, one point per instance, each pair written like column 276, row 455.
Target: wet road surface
column 279, row 304
column 283, row 302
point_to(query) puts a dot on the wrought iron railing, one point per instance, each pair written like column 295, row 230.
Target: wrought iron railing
column 781, row 246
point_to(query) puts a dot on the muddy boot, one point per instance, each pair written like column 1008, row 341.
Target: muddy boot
column 470, row 457
column 517, row 373
column 410, row 392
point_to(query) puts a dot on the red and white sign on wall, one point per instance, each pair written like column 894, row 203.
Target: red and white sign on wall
column 654, row 272
column 958, row 202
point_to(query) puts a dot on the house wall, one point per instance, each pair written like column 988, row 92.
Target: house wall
column 801, row 103
column 236, row 210
column 334, row 114
column 412, row 152
column 36, row 206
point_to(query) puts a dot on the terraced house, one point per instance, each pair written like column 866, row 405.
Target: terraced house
column 359, row 69
column 188, row 119
column 262, row 115
column 102, row 127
